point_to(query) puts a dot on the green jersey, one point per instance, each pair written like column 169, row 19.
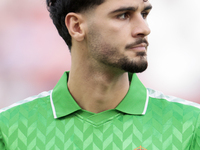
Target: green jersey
column 145, row 119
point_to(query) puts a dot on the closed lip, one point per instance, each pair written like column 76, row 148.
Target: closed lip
column 140, row 46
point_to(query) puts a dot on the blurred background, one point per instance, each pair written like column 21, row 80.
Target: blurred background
column 33, row 56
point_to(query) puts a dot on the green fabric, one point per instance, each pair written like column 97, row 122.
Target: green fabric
column 169, row 123
column 62, row 100
column 135, row 99
column 133, row 103
column 2, row 145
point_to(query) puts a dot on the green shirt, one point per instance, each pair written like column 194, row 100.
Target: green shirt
column 144, row 119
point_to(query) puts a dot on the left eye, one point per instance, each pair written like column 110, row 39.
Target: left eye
column 144, row 15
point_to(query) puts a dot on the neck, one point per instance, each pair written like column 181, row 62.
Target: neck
column 97, row 91
column 96, row 87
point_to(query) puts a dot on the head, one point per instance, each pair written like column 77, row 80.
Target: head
column 112, row 32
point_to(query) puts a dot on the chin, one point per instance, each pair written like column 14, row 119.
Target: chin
column 135, row 66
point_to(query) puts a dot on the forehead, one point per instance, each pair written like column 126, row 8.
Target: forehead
column 121, row 2
column 110, row 5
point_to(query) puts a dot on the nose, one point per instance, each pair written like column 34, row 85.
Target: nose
column 140, row 27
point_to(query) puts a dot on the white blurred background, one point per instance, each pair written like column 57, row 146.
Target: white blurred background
column 33, row 56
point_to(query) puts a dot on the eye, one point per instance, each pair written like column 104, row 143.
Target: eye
column 144, row 15
column 124, row 16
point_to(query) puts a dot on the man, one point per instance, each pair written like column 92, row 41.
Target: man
column 98, row 105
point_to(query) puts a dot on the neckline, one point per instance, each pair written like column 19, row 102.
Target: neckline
column 97, row 119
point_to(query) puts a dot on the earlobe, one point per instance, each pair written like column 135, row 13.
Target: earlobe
column 74, row 24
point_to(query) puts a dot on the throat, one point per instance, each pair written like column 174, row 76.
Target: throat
column 97, row 95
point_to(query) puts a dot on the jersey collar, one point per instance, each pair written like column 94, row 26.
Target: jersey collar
column 62, row 101
column 135, row 101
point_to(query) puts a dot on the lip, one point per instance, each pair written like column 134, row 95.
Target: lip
column 139, row 47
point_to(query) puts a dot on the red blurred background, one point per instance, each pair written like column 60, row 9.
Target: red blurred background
column 33, row 56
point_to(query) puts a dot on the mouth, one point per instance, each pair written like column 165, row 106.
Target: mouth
column 139, row 48
column 138, row 45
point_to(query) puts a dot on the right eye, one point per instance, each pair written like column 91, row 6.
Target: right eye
column 124, row 16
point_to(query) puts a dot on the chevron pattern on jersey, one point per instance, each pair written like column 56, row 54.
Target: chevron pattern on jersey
column 166, row 126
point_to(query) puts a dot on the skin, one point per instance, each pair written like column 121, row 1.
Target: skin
column 103, row 40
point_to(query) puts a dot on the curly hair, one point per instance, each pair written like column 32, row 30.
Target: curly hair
column 58, row 10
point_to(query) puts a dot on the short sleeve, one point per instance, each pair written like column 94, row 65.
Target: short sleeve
column 2, row 145
column 196, row 138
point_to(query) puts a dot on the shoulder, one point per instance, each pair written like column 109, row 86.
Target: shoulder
column 179, row 111
column 28, row 104
column 23, row 116
column 165, row 100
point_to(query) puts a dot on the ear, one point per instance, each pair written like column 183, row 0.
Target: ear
column 74, row 23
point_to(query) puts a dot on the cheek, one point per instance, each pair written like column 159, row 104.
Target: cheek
column 111, row 36
column 113, row 28
column 120, row 34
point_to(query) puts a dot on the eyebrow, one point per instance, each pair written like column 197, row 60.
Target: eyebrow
column 149, row 7
column 122, row 9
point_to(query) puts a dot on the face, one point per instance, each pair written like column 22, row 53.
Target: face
column 117, row 34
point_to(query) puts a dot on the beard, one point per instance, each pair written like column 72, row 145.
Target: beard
column 132, row 66
column 126, row 64
column 109, row 55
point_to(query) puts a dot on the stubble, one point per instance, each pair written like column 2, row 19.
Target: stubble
column 107, row 54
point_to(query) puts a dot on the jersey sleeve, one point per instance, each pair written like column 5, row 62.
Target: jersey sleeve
column 2, row 145
column 196, row 138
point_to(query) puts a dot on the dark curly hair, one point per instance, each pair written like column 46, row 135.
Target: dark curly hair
column 58, row 10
